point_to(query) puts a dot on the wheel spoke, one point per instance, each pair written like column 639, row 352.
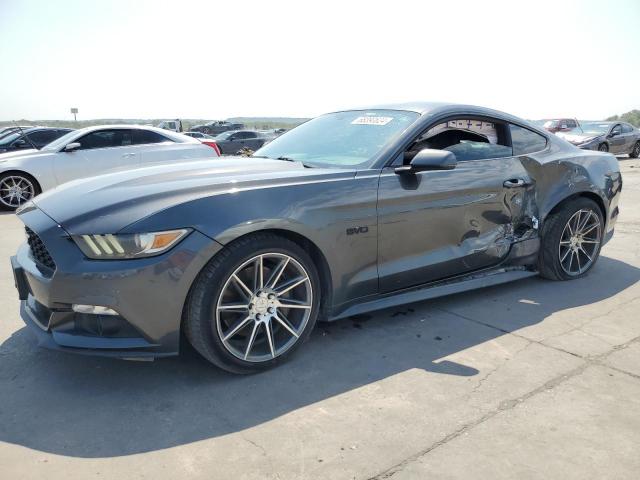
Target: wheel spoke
column 578, row 259
column 252, row 339
column 585, row 252
column 233, row 307
column 292, row 304
column 241, row 324
column 269, row 332
column 286, row 325
column 242, row 285
column 292, row 284
column 591, row 241
column 275, row 276
column 562, row 259
column 595, row 225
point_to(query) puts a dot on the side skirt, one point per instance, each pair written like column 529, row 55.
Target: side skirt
column 471, row 282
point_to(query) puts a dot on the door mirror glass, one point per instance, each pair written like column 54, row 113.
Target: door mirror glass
column 70, row 147
column 614, row 133
column 20, row 143
column 430, row 159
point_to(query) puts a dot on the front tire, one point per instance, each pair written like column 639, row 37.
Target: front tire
column 603, row 147
column 571, row 240
column 254, row 304
column 17, row 188
column 635, row 153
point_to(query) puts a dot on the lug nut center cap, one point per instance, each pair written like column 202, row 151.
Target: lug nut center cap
column 261, row 305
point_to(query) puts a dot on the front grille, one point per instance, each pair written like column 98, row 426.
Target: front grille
column 38, row 250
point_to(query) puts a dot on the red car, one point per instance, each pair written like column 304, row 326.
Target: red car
column 560, row 125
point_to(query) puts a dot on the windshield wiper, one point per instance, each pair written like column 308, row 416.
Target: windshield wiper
column 287, row 159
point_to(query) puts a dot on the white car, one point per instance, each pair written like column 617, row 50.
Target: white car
column 89, row 152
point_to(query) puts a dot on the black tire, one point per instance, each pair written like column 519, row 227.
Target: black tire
column 635, row 153
column 36, row 187
column 200, row 318
column 549, row 265
column 603, row 147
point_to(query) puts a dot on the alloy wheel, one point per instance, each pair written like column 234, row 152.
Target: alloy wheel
column 636, row 150
column 264, row 307
column 15, row 190
column 579, row 242
column 603, row 148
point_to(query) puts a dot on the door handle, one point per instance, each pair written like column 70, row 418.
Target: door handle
column 127, row 155
column 515, row 183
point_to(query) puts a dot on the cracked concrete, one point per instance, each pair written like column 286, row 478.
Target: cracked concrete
column 530, row 380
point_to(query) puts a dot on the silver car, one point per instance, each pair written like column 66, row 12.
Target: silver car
column 614, row 137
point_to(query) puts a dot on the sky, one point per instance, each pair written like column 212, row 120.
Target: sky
column 219, row 59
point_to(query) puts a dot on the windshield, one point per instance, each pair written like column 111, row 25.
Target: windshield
column 60, row 142
column 551, row 123
column 224, row 136
column 343, row 139
column 591, row 129
column 7, row 139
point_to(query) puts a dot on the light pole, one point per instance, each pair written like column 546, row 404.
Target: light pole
column 75, row 112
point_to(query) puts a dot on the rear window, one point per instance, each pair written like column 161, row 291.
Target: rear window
column 141, row 137
column 526, row 141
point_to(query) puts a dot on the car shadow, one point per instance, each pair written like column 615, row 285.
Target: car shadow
column 93, row 407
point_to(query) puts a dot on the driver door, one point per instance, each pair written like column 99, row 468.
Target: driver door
column 438, row 224
column 101, row 151
column 616, row 140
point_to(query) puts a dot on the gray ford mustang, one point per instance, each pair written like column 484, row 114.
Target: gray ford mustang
column 350, row 212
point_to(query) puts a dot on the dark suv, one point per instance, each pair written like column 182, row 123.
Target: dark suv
column 30, row 138
column 233, row 142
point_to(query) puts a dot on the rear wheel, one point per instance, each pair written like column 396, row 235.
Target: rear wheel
column 17, row 188
column 603, row 147
column 254, row 304
column 571, row 240
column 635, row 153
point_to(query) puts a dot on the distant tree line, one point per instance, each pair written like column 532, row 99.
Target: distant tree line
column 633, row 117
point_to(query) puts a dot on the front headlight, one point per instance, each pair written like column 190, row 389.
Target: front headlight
column 587, row 141
column 129, row 245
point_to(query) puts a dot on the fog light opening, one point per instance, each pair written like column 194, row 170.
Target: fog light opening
column 93, row 309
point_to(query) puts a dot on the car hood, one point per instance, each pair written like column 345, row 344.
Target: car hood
column 577, row 139
column 108, row 203
column 4, row 157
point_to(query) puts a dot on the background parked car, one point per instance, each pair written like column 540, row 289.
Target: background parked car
column 614, row 137
column 91, row 151
column 173, row 125
column 198, row 135
column 30, row 138
column 560, row 125
column 216, row 127
column 234, row 141
column 9, row 129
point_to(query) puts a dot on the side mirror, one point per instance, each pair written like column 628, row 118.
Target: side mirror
column 429, row 159
column 20, row 144
column 72, row 147
column 614, row 134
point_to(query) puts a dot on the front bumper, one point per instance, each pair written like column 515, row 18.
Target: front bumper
column 147, row 293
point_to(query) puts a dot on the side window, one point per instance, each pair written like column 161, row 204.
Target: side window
column 42, row 137
column 468, row 139
column 106, row 139
column 626, row 128
column 617, row 129
column 141, row 137
column 571, row 123
column 251, row 135
column 525, row 141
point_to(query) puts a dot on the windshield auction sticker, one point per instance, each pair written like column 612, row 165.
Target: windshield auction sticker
column 371, row 120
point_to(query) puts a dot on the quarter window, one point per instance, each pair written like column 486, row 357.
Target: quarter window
column 526, row 141
column 626, row 128
column 141, row 137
